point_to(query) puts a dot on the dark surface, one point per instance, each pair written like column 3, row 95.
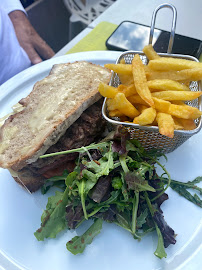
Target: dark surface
column 50, row 18
column 26, row 3
column 133, row 36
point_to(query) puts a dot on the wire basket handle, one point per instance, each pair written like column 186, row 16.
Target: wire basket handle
column 172, row 33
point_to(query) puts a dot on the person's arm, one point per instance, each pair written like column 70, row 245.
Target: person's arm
column 35, row 47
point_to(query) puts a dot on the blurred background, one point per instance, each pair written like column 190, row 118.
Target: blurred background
column 59, row 21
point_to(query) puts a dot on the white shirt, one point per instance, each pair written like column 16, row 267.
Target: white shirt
column 13, row 59
column 10, row 5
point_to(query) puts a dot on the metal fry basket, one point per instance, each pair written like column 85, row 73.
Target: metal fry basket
column 149, row 136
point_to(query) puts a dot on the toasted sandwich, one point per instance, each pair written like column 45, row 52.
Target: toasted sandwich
column 62, row 112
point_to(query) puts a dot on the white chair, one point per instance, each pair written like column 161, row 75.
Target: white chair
column 84, row 12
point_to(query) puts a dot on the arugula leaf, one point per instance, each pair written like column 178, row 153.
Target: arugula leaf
column 124, row 188
column 91, row 180
column 196, row 180
column 79, row 243
column 136, row 180
column 135, row 145
column 187, row 195
column 103, row 165
column 53, row 221
column 51, row 205
column 124, row 166
column 100, row 146
column 134, row 213
column 141, row 219
column 57, row 181
column 123, row 220
column 81, row 186
column 137, row 183
column 70, row 178
column 181, row 189
column 145, row 168
column 114, row 196
column 160, row 250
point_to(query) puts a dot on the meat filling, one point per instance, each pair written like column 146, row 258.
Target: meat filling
column 83, row 132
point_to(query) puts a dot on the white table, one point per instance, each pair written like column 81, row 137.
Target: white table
column 188, row 17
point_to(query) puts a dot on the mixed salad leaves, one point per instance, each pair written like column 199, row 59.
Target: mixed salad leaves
column 113, row 181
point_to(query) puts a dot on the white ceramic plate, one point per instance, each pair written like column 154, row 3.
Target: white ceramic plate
column 113, row 248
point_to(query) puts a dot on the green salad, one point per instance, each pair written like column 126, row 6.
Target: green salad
column 114, row 181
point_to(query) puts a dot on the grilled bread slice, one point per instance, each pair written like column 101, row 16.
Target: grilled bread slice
column 54, row 104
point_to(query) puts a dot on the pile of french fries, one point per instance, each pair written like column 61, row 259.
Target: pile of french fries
column 154, row 94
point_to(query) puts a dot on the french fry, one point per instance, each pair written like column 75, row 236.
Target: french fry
column 125, row 106
column 107, row 91
column 120, row 68
column 167, row 84
column 123, row 69
column 150, row 52
column 111, row 104
column 160, row 75
column 136, row 99
column 154, row 90
column 154, row 94
column 194, row 74
column 141, row 107
column 115, row 113
column 126, row 79
column 165, row 63
column 140, row 80
column 121, row 88
column 165, row 124
column 122, row 61
column 184, row 111
column 127, row 90
column 146, row 117
column 161, row 105
column 177, row 95
column 188, row 124
column 177, row 124
column 178, row 102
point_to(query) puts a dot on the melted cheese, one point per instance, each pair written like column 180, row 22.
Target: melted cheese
column 47, row 112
